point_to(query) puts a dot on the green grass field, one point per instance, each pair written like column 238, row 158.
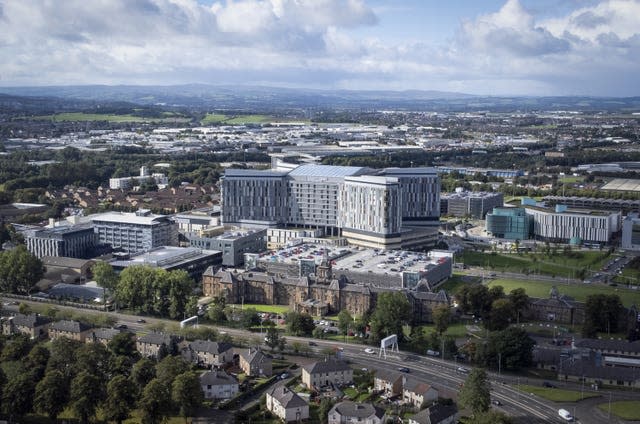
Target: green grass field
column 557, row 264
column 85, row 117
column 555, row 395
column 213, row 118
column 217, row 118
column 626, row 409
column 579, row 292
column 272, row 309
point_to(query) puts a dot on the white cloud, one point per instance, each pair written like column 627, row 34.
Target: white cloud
column 316, row 43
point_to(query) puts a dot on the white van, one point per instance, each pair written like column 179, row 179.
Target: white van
column 565, row 415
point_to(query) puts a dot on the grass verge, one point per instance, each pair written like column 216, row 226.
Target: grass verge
column 555, row 395
column 626, row 409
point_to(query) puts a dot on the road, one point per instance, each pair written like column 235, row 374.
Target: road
column 443, row 375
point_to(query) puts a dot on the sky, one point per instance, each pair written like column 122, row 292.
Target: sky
column 486, row 47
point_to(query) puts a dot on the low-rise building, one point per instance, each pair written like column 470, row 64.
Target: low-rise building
column 233, row 244
column 352, row 412
column 74, row 330
column 436, row 414
column 387, row 383
column 218, row 384
column 329, row 372
column 287, row 405
column 417, row 393
column 102, row 335
column 33, row 325
column 509, row 223
column 153, row 344
column 207, row 353
column 470, row 203
column 255, row 362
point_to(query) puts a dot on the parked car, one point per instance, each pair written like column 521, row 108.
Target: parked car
column 548, row 384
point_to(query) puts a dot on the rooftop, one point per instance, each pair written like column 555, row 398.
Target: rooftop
column 287, row 397
column 128, row 218
column 357, row 410
column 326, row 171
column 328, row 365
column 166, row 256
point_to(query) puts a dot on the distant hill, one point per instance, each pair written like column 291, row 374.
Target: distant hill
column 253, row 98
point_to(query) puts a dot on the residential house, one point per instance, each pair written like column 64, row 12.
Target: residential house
column 152, row 344
column 287, row 405
column 70, row 329
column 207, row 353
column 102, row 335
column 436, row 414
column 416, row 392
column 32, row 325
column 387, row 383
column 218, row 384
column 352, row 412
column 255, row 362
column 325, row 373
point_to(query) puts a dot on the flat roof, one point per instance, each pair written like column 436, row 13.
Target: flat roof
column 128, row 218
column 622, row 184
column 253, row 173
column 166, row 256
column 326, row 171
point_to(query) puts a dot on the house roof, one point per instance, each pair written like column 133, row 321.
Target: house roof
column 254, row 356
column 287, row 397
column 387, row 375
column 216, row 378
column 435, row 414
column 328, row 365
column 70, row 326
column 209, row 347
column 105, row 333
column 157, row 339
column 31, row 320
column 610, row 345
column 416, row 386
column 61, row 261
column 356, row 410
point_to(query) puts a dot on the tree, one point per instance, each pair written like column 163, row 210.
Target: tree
column 475, row 393
column 501, row 315
column 95, row 359
column 272, row 339
column 491, row 417
column 391, row 313
column 345, row 321
column 87, row 391
column 441, row 316
column 123, row 344
column 120, row 399
column 520, row 301
column 37, row 360
column 216, row 313
column 105, row 276
column 142, row 373
column 187, row 393
column 155, row 403
column 169, row 368
column 19, row 270
column 602, row 312
column 323, row 410
column 299, row 324
column 63, row 356
column 16, row 348
column 51, row 394
column 512, row 347
column 249, row 318
column 17, row 395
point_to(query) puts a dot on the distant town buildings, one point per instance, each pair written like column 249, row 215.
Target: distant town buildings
column 125, row 183
column 470, row 203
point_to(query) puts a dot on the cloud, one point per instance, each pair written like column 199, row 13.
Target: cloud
column 318, row 43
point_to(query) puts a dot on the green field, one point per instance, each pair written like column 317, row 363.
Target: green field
column 85, row 117
column 626, row 409
column 217, row 118
column 272, row 309
column 555, row 395
column 557, row 264
column 579, row 292
column 571, row 179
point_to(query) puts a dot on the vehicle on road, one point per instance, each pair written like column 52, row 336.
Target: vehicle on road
column 404, row 369
column 462, row 370
column 565, row 415
column 313, row 344
column 496, row 402
column 433, row 352
column 141, row 321
column 548, row 384
column 369, row 350
column 284, row 375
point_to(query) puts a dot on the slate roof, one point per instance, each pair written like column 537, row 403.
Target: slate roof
column 105, row 333
column 387, row 375
column 30, row 320
column 157, row 339
column 328, row 365
column 287, row 397
column 254, row 356
column 435, row 414
column 209, row 347
column 416, row 386
column 70, row 326
column 356, row 410
column 216, row 378
column 610, row 345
